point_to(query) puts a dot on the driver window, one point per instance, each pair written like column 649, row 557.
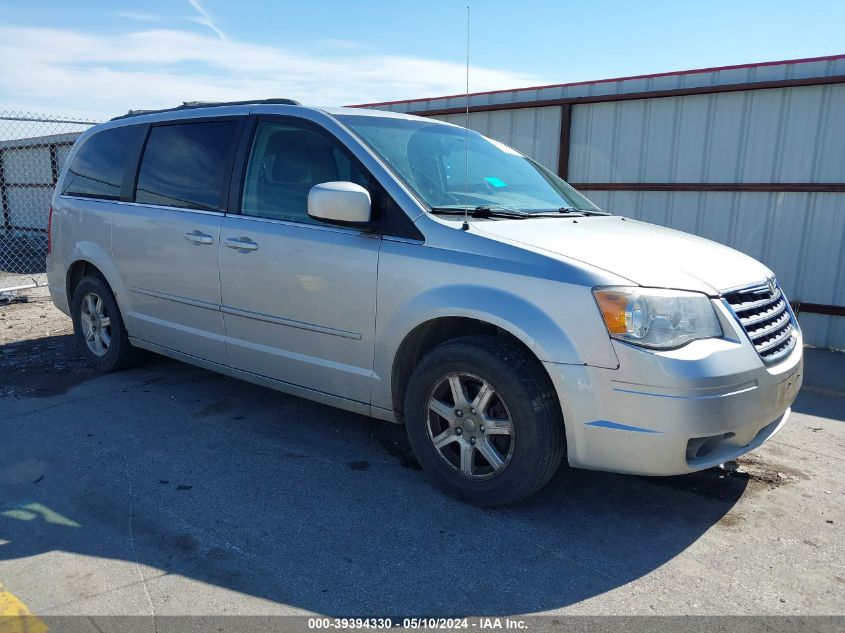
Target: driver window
column 285, row 161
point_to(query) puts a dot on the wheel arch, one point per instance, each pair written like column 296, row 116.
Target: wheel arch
column 432, row 317
column 77, row 271
column 89, row 258
column 438, row 330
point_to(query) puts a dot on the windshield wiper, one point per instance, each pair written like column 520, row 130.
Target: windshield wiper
column 516, row 214
column 551, row 213
column 482, row 212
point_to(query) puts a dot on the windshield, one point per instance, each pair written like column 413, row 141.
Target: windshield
column 435, row 161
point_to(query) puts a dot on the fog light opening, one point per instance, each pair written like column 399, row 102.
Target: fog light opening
column 701, row 447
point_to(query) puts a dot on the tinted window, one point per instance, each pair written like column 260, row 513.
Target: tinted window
column 285, row 161
column 97, row 168
column 184, row 165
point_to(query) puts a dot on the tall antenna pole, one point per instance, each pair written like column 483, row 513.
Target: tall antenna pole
column 465, row 227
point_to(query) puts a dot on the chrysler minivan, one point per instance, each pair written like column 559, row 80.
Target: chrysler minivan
column 418, row 272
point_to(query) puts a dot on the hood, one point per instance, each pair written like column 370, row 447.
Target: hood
column 647, row 254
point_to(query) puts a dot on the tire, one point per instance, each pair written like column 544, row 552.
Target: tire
column 522, row 462
column 102, row 340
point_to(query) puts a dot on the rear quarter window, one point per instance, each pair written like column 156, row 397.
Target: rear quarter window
column 97, row 168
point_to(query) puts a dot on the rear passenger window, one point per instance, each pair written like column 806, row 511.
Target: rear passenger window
column 185, row 165
column 97, row 168
column 286, row 160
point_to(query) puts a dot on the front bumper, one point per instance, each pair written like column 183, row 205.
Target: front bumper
column 675, row 412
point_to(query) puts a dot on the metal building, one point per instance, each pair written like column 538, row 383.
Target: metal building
column 752, row 156
column 33, row 150
column 30, row 168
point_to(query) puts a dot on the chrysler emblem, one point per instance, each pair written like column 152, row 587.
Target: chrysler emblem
column 771, row 284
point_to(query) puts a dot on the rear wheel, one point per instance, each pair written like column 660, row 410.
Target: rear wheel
column 484, row 421
column 98, row 326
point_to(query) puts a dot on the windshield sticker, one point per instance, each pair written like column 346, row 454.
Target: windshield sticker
column 495, row 182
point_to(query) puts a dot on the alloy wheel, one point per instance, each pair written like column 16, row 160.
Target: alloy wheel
column 470, row 425
column 96, row 324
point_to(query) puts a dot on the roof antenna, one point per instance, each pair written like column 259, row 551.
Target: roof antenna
column 465, row 226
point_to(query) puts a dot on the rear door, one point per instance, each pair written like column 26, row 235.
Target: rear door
column 166, row 240
column 299, row 295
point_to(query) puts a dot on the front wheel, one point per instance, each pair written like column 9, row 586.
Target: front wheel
column 484, row 421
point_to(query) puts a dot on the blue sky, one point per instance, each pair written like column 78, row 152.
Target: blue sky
column 98, row 58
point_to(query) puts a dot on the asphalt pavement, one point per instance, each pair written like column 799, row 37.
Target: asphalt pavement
column 170, row 490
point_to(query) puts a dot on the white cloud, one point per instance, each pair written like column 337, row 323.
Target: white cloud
column 104, row 75
column 137, row 16
column 205, row 19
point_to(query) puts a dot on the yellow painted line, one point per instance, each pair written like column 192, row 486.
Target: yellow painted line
column 15, row 616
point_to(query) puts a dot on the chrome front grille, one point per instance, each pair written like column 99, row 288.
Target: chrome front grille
column 767, row 319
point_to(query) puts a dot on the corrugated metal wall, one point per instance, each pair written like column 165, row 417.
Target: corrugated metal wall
column 533, row 131
column 785, row 135
column 771, row 142
column 800, row 236
column 706, row 78
column 750, row 136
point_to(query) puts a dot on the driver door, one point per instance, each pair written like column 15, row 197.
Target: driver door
column 299, row 295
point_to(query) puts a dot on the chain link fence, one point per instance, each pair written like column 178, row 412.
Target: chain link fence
column 33, row 150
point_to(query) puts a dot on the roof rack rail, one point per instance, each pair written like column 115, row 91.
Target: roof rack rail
column 190, row 105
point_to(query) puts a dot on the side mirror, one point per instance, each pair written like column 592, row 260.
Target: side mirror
column 340, row 202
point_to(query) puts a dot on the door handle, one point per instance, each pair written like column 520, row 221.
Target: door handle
column 241, row 244
column 197, row 237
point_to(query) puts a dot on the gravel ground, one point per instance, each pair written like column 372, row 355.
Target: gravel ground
column 36, row 341
column 30, row 314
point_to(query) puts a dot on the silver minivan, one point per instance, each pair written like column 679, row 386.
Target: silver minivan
column 415, row 271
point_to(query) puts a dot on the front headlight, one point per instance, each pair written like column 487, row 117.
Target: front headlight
column 657, row 318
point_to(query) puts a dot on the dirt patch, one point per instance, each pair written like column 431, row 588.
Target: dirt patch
column 31, row 315
column 42, row 367
column 38, row 354
column 713, row 483
column 762, row 474
column 186, row 542
column 730, row 480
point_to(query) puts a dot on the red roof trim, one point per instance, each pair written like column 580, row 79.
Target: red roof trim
column 599, row 81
